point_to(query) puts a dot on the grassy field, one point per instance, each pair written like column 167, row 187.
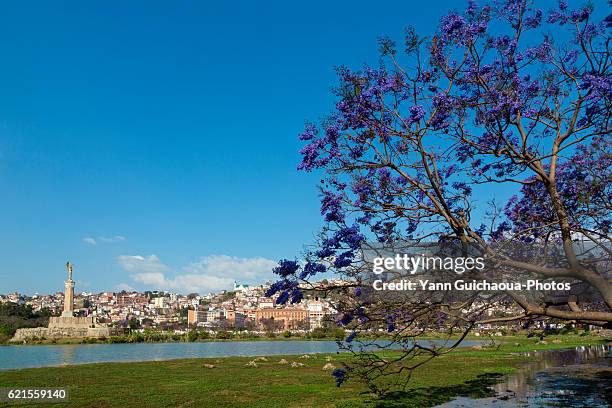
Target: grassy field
column 187, row 383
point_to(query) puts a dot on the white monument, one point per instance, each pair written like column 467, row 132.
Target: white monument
column 69, row 293
column 66, row 325
column 67, row 319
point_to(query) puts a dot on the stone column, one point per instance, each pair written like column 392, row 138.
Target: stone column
column 68, row 299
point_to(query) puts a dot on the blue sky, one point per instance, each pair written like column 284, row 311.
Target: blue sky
column 154, row 143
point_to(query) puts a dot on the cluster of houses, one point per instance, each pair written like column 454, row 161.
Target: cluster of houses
column 246, row 307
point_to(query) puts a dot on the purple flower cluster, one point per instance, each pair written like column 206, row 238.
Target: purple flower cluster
column 331, row 206
column 583, row 182
column 346, row 319
column 543, row 52
column 563, row 15
column 311, row 269
column 344, row 259
column 534, row 21
column 340, row 375
column 286, row 268
column 287, row 288
column 416, row 113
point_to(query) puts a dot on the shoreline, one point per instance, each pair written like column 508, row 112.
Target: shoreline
column 133, row 339
column 86, row 341
column 554, row 343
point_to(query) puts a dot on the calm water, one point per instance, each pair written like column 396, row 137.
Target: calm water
column 569, row 378
column 14, row 357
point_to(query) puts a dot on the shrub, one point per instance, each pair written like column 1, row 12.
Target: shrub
column 192, row 336
column 224, row 335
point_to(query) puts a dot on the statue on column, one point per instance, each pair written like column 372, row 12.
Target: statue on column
column 69, row 268
column 69, row 293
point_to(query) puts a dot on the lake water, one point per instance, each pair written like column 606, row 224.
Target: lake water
column 24, row 356
column 568, row 378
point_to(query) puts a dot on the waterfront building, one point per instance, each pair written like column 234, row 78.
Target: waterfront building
column 291, row 317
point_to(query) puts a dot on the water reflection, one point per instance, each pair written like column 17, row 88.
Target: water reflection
column 580, row 377
column 545, row 360
column 68, row 354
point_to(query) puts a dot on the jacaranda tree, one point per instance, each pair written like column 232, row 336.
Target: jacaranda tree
column 503, row 97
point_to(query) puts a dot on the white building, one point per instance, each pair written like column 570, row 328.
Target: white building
column 240, row 287
column 316, row 312
column 159, row 302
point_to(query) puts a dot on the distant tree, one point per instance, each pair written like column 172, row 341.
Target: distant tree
column 192, row 336
column 14, row 316
column 224, row 335
column 250, row 324
column 302, row 325
column 6, row 332
column 271, row 325
column 45, row 312
column 418, row 149
column 227, row 325
column 133, row 324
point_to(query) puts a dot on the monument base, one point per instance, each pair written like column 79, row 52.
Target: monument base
column 44, row 333
column 67, row 314
column 61, row 327
column 72, row 322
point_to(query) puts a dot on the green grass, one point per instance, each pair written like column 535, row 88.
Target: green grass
column 186, row 383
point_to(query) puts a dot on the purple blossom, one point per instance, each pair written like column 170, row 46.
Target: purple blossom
column 452, row 24
column 344, row 259
column 581, row 14
column 535, row 20
column 346, row 319
column 286, row 267
column 309, row 132
column 349, row 236
column 340, row 375
column 463, row 187
column 296, row 296
column 416, row 113
column 310, row 155
column 282, row 298
column 543, row 52
column 281, row 285
column 311, row 269
column 443, row 107
column 599, row 86
column 331, row 206
column 325, row 253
